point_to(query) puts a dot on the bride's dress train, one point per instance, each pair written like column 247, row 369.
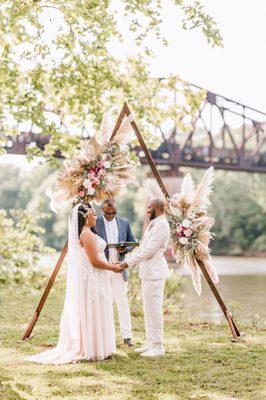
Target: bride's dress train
column 87, row 330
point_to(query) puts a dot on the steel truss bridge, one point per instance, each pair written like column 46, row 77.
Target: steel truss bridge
column 224, row 133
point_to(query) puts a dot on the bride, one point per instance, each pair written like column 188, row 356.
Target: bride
column 87, row 330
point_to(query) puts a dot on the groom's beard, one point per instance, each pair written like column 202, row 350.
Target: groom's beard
column 152, row 215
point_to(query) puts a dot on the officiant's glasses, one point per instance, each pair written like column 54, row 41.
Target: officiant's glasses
column 109, row 213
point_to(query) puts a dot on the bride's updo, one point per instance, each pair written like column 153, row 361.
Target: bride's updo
column 82, row 215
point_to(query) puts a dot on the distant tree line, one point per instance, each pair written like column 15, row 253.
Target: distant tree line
column 238, row 206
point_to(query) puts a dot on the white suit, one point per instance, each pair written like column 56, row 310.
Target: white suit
column 153, row 270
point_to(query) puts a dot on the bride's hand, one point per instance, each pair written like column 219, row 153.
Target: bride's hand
column 117, row 268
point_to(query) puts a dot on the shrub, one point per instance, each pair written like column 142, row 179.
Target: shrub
column 21, row 248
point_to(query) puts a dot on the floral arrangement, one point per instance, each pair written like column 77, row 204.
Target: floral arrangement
column 99, row 170
column 190, row 226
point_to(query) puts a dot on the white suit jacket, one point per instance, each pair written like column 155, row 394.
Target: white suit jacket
column 150, row 254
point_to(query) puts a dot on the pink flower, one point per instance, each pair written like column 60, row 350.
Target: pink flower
column 102, row 172
column 91, row 175
column 100, row 163
column 179, row 227
column 81, row 193
column 187, row 232
column 179, row 234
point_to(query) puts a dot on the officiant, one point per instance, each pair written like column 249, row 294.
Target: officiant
column 114, row 229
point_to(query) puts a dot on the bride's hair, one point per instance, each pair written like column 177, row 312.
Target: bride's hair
column 82, row 215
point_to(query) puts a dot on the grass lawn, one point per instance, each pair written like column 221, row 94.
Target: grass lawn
column 200, row 361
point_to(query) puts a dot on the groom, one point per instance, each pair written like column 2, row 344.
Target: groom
column 153, row 271
column 114, row 229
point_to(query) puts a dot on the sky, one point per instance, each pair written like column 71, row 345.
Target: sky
column 236, row 71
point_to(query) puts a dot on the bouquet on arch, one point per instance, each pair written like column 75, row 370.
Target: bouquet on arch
column 190, row 226
column 99, row 169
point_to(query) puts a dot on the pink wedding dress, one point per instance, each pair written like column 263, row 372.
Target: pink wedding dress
column 87, row 330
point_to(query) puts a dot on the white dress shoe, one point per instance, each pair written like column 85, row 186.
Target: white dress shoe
column 153, row 353
column 142, row 349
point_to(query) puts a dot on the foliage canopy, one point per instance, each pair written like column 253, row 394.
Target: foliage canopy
column 58, row 74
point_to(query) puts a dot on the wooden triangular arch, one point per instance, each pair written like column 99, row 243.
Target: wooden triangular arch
column 126, row 112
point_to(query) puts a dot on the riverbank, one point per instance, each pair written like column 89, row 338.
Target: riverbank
column 200, row 362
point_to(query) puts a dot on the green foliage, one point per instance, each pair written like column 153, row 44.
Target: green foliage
column 57, row 75
column 27, row 191
column 20, row 248
column 240, row 219
column 11, row 181
column 259, row 244
column 197, row 17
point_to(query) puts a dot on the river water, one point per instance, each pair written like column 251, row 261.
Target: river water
column 242, row 287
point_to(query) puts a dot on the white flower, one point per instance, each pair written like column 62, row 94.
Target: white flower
column 87, row 184
column 91, row 191
column 107, row 164
column 183, row 240
column 188, row 232
column 104, row 156
column 186, row 223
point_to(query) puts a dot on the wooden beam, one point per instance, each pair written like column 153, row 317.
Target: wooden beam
column 46, row 292
column 126, row 111
column 147, row 154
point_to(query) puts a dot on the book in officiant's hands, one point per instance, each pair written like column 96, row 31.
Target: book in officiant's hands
column 122, row 245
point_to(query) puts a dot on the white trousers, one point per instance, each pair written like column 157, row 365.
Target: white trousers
column 152, row 294
column 119, row 289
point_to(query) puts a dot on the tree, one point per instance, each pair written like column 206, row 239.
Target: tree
column 11, row 181
column 59, row 83
column 240, row 220
column 20, row 232
column 27, row 191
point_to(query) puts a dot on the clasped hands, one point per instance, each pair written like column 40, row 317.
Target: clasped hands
column 119, row 267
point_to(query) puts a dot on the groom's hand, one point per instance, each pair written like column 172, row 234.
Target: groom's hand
column 123, row 265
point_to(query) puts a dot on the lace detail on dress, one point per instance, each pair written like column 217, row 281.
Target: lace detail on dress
column 96, row 277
